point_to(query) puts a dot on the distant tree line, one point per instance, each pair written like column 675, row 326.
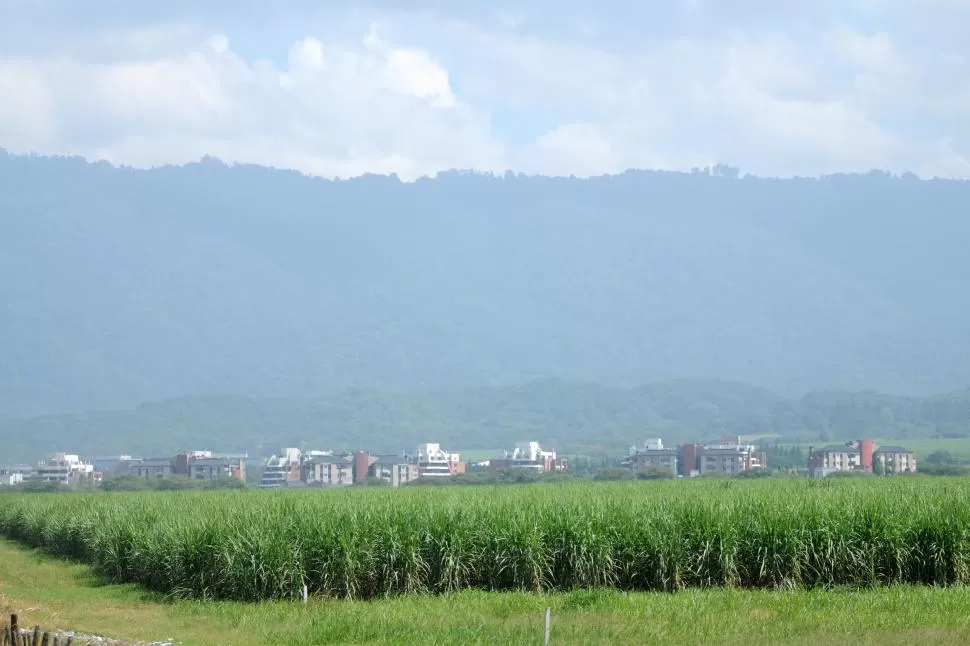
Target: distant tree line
column 577, row 418
column 128, row 483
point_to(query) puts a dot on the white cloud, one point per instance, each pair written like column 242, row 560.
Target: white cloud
column 864, row 52
column 343, row 98
column 333, row 110
column 573, row 149
column 764, row 101
column 26, row 109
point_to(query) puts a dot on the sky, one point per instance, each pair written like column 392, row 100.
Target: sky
column 555, row 87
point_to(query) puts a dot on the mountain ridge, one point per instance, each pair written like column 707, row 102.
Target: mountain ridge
column 570, row 416
column 134, row 285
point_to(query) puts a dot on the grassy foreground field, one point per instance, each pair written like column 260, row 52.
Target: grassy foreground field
column 371, row 543
column 55, row 593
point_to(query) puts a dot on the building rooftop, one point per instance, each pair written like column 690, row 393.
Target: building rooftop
column 154, row 462
column 838, row 448
column 729, row 449
column 211, row 462
column 389, row 458
column 654, row 452
column 892, row 449
column 329, row 459
column 18, row 468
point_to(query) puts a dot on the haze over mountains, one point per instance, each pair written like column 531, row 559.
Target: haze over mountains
column 572, row 417
column 122, row 286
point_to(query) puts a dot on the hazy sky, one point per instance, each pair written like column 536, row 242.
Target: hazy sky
column 776, row 87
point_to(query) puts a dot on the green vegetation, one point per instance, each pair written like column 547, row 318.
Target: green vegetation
column 374, row 542
column 499, row 477
column 924, row 447
column 127, row 483
column 55, row 593
column 136, row 286
column 577, row 419
column 170, row 483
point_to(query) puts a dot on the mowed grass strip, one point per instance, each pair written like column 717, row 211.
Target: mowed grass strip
column 54, row 593
column 363, row 544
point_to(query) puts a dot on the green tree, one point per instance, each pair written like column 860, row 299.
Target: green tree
column 941, row 457
column 372, row 481
column 125, row 483
column 613, row 473
column 654, row 473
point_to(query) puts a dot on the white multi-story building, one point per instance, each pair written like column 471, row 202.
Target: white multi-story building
column 65, row 468
column 433, row 462
column 11, row 479
column 528, row 455
column 13, row 475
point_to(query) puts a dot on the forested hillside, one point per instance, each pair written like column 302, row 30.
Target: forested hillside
column 122, row 286
column 570, row 416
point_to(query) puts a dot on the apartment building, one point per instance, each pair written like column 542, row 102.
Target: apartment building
column 653, row 455
column 396, row 470
column 185, row 459
column 11, row 475
column 197, row 465
column 217, row 467
column 530, row 456
column 282, row 470
column 864, row 456
column 66, row 469
column 328, row 471
column 837, row 457
column 153, row 468
column 730, row 459
column 433, row 462
column 895, row 459
column 114, row 465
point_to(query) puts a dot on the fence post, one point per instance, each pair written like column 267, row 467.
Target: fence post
column 14, row 627
column 36, row 640
column 548, row 626
column 46, row 639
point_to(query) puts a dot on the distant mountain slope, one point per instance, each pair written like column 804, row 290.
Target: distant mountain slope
column 121, row 286
column 558, row 414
